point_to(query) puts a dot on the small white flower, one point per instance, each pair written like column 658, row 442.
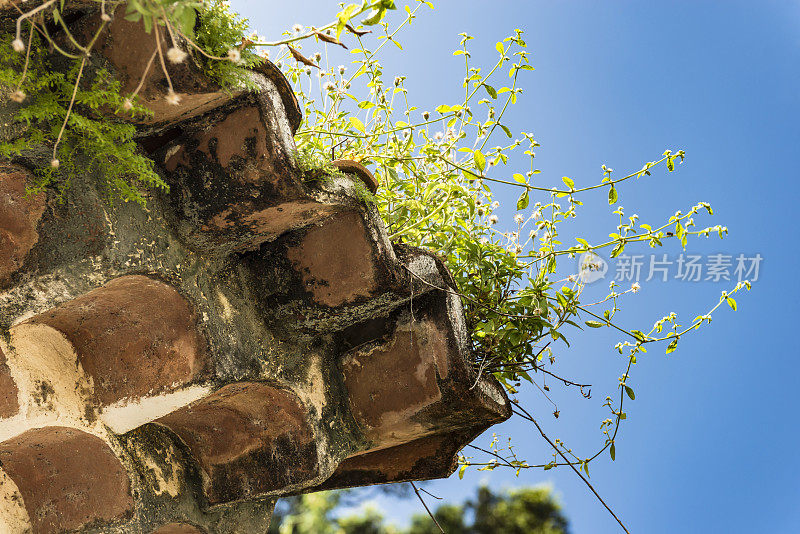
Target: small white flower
column 536, row 216
column 317, row 56
column 518, row 218
column 308, row 71
column 438, row 136
column 397, row 80
column 495, row 205
column 571, row 278
column 172, row 98
column 18, row 45
column 176, row 55
column 426, row 115
column 493, row 219
column 234, row 55
column 342, row 68
column 105, row 17
column 18, row 96
column 54, row 163
column 329, row 86
column 532, row 234
column 127, row 105
column 635, row 287
column 297, row 28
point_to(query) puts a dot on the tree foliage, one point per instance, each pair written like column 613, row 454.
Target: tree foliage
column 529, row 510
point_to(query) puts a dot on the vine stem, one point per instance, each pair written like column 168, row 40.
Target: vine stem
column 161, row 59
column 144, row 74
column 69, row 109
column 426, row 507
column 328, row 26
column 196, row 46
column 27, row 59
column 525, row 415
column 31, row 13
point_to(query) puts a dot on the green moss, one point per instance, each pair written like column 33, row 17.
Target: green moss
column 316, row 169
column 91, row 140
column 219, row 31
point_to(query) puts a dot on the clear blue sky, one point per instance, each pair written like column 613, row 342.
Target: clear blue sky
column 711, row 442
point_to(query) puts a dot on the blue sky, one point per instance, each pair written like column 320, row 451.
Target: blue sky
column 710, row 444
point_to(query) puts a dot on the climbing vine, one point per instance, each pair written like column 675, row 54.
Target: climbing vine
column 439, row 170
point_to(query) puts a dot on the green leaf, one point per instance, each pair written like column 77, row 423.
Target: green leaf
column 506, row 130
column 613, row 452
column 519, row 178
column 638, row 334
column 523, row 200
column 672, row 345
column 731, row 303
column 629, row 391
column 357, row 124
column 612, row 195
column 491, row 90
column 480, row 160
column 568, row 182
column 595, row 324
column 461, row 471
column 499, row 48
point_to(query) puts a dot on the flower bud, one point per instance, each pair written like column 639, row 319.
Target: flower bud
column 176, row 55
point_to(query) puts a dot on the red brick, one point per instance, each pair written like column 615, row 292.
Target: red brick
column 250, row 438
column 134, row 336
column 9, row 403
column 361, row 172
column 338, row 261
column 178, row 528
column 67, row 478
column 389, row 385
column 19, row 216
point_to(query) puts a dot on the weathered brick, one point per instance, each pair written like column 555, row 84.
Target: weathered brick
column 421, row 459
column 129, row 47
column 179, row 528
column 19, row 216
column 250, row 438
column 9, row 404
column 418, row 381
column 135, row 336
column 67, row 479
column 237, row 183
column 389, row 385
column 361, row 172
column 338, row 261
